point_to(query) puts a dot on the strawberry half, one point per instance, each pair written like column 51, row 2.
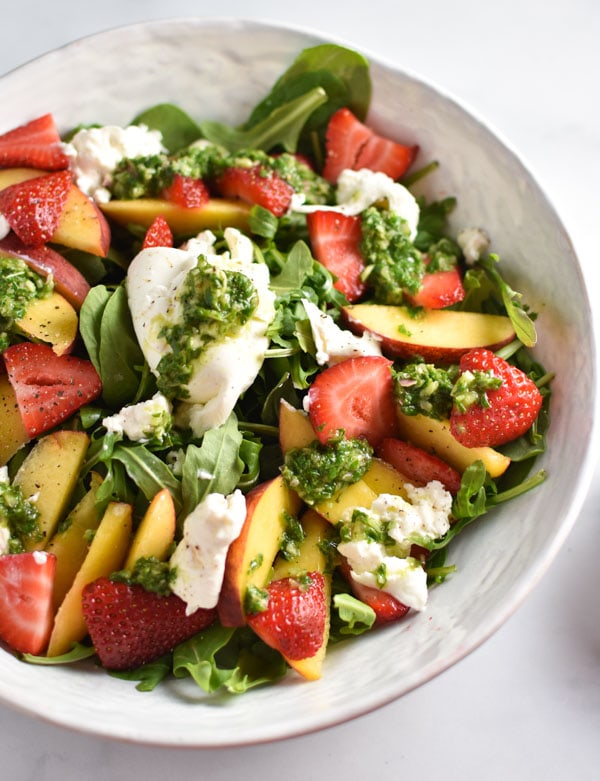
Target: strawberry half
column 418, row 466
column 33, row 208
column 36, row 144
column 26, row 589
column 49, row 388
column 386, row 607
column 130, row 626
column 294, row 621
column 159, row 234
column 351, row 144
column 335, row 240
column 438, row 290
column 256, row 186
column 354, row 395
column 186, row 191
column 512, row 408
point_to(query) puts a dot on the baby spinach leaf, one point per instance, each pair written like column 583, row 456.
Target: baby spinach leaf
column 343, row 74
column 90, row 320
column 177, row 127
column 281, row 128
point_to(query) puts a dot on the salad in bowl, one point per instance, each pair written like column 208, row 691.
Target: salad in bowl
column 254, row 384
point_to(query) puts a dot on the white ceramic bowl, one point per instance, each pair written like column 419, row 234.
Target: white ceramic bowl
column 218, row 69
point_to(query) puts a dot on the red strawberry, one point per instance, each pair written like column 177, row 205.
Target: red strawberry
column 26, row 588
column 186, row 191
column 335, row 241
column 387, row 608
column 344, row 138
column 256, row 186
column 513, row 407
column 49, row 388
column 130, row 626
column 351, row 144
column 356, row 396
column 158, row 234
column 418, row 466
column 34, row 145
column 438, row 290
column 33, row 207
column 294, row 621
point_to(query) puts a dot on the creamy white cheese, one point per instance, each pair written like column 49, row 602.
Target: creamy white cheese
column 474, row 242
column 199, row 559
column 405, row 578
column 226, row 368
column 95, row 152
column 426, row 515
column 357, row 190
column 143, row 421
column 335, row 344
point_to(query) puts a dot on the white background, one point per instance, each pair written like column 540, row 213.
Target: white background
column 526, row 705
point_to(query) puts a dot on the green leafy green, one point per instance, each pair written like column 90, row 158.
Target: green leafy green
column 177, row 127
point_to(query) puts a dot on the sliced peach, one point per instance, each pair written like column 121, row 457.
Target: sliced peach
column 434, row 334
column 217, row 213
column 52, row 320
column 82, row 225
column 156, row 532
column 435, row 437
column 311, row 558
column 12, row 431
column 251, row 555
column 105, row 555
column 295, row 428
column 48, row 475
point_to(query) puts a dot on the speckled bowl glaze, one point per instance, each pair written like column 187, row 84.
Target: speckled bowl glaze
column 218, row 69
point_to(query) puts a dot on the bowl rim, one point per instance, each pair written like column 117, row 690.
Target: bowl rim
column 590, row 453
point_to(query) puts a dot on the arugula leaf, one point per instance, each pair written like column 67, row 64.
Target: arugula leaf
column 522, row 322
column 281, row 128
column 213, row 467
column 148, row 471
column 178, row 129
column 227, row 658
column 77, row 652
column 149, row 675
column 355, row 617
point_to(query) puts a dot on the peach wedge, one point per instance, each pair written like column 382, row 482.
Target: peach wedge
column 434, row 334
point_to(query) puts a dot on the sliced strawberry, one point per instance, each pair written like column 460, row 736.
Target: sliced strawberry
column 335, row 242
column 418, row 466
column 438, row 290
column 354, row 396
column 344, row 138
column 511, row 409
column 68, row 281
column 130, row 626
column 36, row 144
column 159, row 234
column 255, row 185
column 49, row 388
column 386, row 607
column 186, row 191
column 26, row 588
column 383, row 154
column 351, row 144
column 294, row 621
column 33, row 208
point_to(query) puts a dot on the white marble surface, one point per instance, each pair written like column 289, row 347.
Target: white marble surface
column 526, row 705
